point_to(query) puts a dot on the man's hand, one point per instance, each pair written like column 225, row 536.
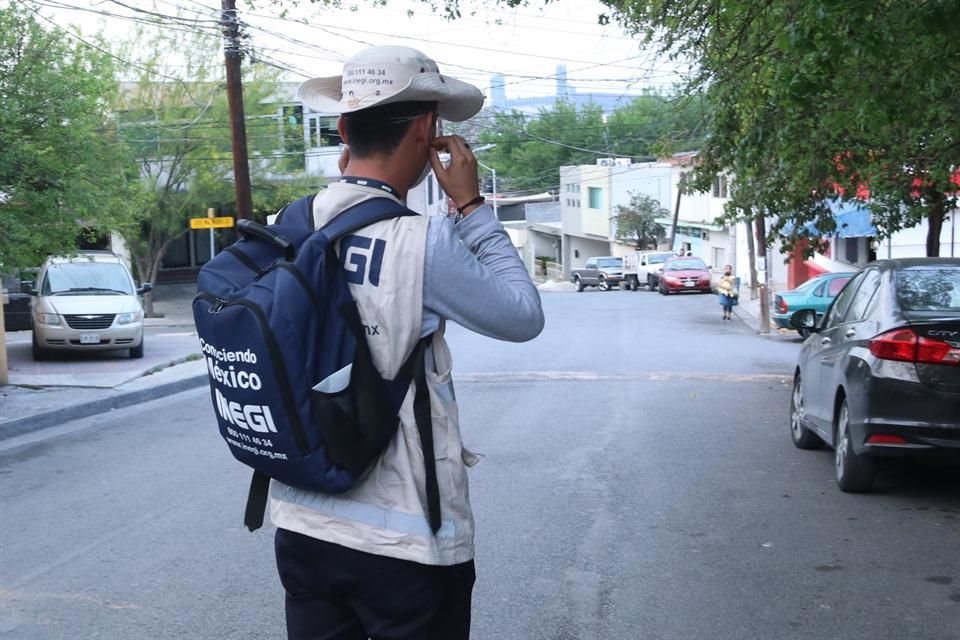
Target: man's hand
column 459, row 179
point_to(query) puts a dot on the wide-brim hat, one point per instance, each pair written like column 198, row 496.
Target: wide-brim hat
column 382, row 75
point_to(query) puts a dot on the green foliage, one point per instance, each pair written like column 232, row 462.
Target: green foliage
column 637, row 222
column 62, row 167
column 530, row 150
column 179, row 134
column 526, row 158
column 812, row 100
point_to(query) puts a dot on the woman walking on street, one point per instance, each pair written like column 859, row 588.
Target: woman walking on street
column 727, row 287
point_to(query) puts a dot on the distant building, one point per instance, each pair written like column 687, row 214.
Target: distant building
column 608, row 102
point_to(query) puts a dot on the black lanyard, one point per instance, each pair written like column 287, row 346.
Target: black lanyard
column 370, row 182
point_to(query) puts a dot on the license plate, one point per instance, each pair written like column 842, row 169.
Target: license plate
column 89, row 338
column 690, row 284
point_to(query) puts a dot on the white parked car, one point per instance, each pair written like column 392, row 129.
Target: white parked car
column 87, row 302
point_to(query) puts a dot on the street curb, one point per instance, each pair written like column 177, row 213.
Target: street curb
column 21, row 426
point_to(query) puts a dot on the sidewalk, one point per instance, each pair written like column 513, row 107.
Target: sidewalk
column 749, row 312
column 30, row 403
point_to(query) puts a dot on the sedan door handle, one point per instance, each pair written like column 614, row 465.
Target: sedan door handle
column 850, row 333
column 825, row 341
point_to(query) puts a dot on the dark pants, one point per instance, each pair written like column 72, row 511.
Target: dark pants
column 335, row 593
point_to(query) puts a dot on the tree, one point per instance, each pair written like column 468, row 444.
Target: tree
column 530, row 150
column 62, row 167
column 637, row 222
column 821, row 100
column 179, row 135
column 653, row 125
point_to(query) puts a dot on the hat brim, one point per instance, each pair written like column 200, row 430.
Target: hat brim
column 456, row 100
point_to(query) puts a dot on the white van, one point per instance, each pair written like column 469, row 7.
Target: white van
column 87, row 302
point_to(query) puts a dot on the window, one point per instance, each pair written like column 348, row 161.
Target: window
column 687, row 264
column 90, row 277
column 929, row 289
column 836, row 285
column 851, row 250
column 720, row 188
column 596, row 197
column 719, row 257
column 591, row 264
column 839, row 307
column 858, row 307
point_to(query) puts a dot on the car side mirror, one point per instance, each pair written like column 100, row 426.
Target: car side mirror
column 805, row 319
column 27, row 288
column 146, row 287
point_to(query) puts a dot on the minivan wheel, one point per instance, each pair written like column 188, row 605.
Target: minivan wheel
column 855, row 473
column 39, row 354
column 802, row 437
column 137, row 352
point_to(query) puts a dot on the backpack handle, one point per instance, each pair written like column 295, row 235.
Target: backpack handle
column 254, row 230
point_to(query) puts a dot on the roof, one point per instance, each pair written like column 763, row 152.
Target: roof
column 852, row 217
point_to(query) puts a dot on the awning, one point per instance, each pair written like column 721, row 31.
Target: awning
column 852, row 218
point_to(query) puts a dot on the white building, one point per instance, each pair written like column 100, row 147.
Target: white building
column 590, row 195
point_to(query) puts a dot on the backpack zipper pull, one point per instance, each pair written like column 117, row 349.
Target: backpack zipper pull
column 218, row 306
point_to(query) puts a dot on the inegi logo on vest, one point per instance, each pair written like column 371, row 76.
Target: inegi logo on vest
column 363, row 259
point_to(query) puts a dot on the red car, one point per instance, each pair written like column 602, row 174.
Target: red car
column 684, row 274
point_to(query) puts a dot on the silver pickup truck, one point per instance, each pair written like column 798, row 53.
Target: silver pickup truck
column 603, row 272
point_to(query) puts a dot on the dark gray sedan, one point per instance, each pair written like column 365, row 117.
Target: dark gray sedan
column 880, row 376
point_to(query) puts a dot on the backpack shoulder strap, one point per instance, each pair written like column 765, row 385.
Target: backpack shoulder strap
column 298, row 213
column 364, row 214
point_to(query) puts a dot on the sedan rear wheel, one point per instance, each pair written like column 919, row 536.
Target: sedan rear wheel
column 855, row 472
column 802, row 437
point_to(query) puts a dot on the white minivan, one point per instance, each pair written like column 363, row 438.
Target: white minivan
column 87, row 302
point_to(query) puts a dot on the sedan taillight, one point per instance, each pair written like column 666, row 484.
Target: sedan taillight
column 905, row 345
column 782, row 305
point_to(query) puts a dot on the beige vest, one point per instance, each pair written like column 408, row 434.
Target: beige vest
column 385, row 514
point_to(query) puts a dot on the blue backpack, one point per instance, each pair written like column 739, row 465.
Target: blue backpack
column 294, row 388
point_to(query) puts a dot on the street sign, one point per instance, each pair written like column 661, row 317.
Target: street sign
column 211, row 223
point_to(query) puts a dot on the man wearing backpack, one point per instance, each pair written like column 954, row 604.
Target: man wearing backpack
column 373, row 562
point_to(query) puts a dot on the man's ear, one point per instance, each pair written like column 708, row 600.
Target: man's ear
column 342, row 130
column 423, row 126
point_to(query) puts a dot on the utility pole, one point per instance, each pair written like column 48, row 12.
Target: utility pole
column 762, row 268
column 4, row 378
column 238, row 131
column 676, row 210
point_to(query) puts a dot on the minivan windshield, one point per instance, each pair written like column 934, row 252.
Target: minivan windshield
column 87, row 278
column 926, row 289
column 685, row 265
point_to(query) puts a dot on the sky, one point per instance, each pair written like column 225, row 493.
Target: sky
column 524, row 44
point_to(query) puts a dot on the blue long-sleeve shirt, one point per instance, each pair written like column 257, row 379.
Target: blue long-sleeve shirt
column 473, row 276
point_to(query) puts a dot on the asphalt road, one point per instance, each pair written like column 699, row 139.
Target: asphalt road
column 638, row 482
